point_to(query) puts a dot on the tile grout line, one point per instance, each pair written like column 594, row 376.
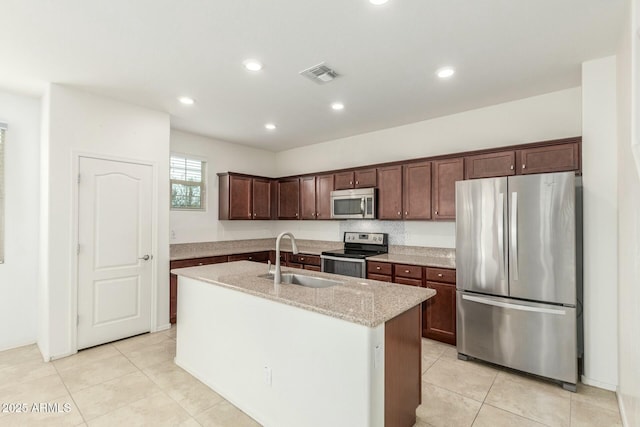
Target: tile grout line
column 69, row 392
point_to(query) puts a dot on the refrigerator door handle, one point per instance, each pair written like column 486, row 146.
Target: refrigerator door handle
column 500, row 231
column 513, row 234
column 488, row 301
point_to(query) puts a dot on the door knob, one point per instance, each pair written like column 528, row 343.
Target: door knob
column 146, row 257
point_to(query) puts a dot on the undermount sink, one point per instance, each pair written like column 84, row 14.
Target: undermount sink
column 302, row 280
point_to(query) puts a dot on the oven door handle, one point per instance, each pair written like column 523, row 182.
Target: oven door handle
column 345, row 259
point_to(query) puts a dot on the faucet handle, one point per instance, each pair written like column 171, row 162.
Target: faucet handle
column 269, row 266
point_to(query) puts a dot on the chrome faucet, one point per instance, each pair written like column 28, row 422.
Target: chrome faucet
column 277, row 274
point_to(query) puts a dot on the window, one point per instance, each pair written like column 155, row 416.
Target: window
column 3, row 128
column 187, row 183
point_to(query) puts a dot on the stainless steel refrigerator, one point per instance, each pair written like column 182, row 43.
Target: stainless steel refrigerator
column 517, row 254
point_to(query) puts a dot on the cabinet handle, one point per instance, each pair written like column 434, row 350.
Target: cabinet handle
column 399, row 213
column 439, row 274
column 201, row 263
column 250, row 258
column 318, row 214
column 296, row 213
column 350, row 182
column 406, row 271
column 301, row 259
column 511, row 167
column 436, row 212
column 378, row 268
column 523, row 166
column 357, row 182
column 406, row 212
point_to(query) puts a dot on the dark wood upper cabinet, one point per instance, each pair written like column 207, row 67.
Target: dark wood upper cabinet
column 360, row 178
column 552, row 158
column 261, row 198
column 390, row 192
column 490, row 165
column 416, row 190
column 365, row 178
column 288, row 193
column 308, row 197
column 324, row 187
column 344, row 180
column 244, row 197
column 445, row 175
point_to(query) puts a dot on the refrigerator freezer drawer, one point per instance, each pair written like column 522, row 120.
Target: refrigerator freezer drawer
column 530, row 337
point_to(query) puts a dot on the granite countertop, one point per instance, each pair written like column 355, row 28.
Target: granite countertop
column 206, row 249
column 362, row 301
column 424, row 260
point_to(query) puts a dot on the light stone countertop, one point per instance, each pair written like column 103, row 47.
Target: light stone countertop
column 362, row 301
column 181, row 251
column 424, row 260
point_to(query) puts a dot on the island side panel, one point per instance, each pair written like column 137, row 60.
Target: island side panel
column 402, row 368
column 323, row 370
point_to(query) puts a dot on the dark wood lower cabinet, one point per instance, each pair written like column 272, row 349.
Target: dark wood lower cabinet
column 439, row 312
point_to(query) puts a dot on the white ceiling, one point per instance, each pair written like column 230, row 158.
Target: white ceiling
column 149, row 52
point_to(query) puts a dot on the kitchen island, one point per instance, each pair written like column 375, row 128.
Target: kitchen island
column 290, row 355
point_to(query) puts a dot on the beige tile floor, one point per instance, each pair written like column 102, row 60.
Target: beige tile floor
column 134, row 382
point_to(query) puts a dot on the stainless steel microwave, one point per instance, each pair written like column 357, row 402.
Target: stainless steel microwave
column 353, row 204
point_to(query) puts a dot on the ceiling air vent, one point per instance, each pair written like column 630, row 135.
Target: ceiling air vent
column 320, row 73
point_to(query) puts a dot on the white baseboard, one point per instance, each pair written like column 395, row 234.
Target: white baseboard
column 16, row 345
column 623, row 414
column 163, row 327
column 599, row 384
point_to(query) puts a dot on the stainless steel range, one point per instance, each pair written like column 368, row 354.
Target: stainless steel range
column 351, row 261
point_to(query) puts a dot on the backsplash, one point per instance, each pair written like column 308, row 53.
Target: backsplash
column 395, row 229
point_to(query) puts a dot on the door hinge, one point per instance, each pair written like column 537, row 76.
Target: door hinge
column 77, row 320
column 78, row 249
column 78, row 178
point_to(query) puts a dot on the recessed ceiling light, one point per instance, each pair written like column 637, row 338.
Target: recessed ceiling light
column 270, row 126
column 378, row 2
column 337, row 106
column 252, row 65
column 186, row 100
column 445, row 72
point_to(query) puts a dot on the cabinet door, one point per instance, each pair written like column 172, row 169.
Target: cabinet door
column 344, row 180
column 439, row 313
column 308, row 197
column 445, row 175
column 324, row 187
column 239, row 197
column 417, row 191
column 552, row 158
column 261, row 198
column 173, row 297
column 390, row 192
column 365, row 178
column 490, row 165
column 288, row 198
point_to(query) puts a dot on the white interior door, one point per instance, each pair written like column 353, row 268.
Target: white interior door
column 114, row 253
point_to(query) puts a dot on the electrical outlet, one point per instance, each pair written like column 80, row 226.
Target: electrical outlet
column 267, row 375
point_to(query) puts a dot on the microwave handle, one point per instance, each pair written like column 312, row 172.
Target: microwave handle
column 362, row 205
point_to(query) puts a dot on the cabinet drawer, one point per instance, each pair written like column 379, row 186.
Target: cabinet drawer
column 294, row 265
column 252, row 256
column 312, row 267
column 410, row 282
column 379, row 267
column 380, row 277
column 409, row 271
column 441, row 275
column 306, row 259
column 198, row 261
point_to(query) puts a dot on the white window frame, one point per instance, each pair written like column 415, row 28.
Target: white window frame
column 202, row 184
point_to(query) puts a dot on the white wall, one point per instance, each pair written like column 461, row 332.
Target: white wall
column 629, row 219
column 18, row 274
column 79, row 122
column 220, row 156
column 549, row 116
column 599, row 163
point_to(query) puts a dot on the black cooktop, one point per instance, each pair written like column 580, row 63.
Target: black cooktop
column 347, row 253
